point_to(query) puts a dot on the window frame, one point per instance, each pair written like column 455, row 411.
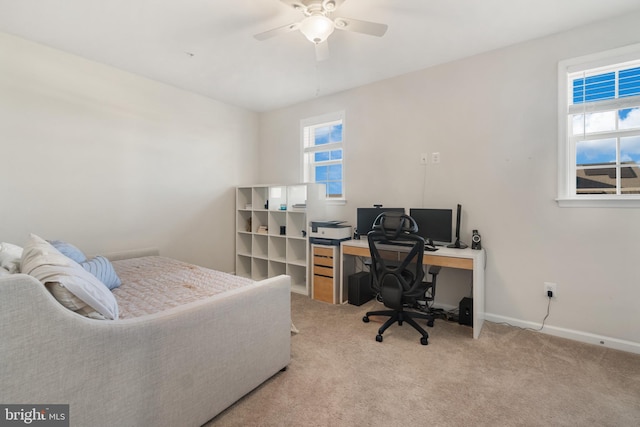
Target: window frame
column 305, row 169
column 567, row 195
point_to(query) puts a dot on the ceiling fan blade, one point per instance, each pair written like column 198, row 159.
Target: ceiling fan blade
column 277, row 31
column 364, row 27
column 322, row 51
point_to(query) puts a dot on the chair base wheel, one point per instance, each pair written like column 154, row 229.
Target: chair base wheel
column 400, row 317
column 430, row 323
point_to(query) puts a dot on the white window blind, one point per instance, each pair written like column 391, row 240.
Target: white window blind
column 599, row 116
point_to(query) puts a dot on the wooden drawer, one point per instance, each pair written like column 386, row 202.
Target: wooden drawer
column 364, row 252
column 463, row 263
column 323, row 289
column 390, row 255
column 327, row 262
column 323, row 251
column 323, row 271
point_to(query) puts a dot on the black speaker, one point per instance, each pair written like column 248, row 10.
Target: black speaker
column 476, row 240
column 465, row 315
column 359, row 290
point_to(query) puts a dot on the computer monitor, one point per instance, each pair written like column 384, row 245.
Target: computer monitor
column 434, row 224
column 458, row 244
column 366, row 216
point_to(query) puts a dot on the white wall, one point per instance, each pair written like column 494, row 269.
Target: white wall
column 493, row 119
column 111, row 161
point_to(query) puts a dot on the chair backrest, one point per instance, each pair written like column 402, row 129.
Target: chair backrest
column 395, row 278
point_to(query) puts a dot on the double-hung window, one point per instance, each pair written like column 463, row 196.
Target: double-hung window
column 599, row 129
column 322, row 152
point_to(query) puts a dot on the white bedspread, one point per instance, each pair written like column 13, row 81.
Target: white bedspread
column 154, row 284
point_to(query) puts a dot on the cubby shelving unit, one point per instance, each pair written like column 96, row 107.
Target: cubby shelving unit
column 271, row 231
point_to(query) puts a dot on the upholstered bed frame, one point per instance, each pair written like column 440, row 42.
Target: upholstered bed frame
column 180, row 367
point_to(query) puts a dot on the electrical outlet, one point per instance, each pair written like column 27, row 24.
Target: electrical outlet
column 424, row 158
column 435, row 158
column 550, row 287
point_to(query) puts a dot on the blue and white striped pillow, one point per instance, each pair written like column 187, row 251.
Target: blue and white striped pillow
column 68, row 250
column 103, row 270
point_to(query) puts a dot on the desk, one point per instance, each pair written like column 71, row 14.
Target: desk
column 466, row 259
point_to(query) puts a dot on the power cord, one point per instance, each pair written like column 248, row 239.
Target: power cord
column 424, row 184
column 549, row 296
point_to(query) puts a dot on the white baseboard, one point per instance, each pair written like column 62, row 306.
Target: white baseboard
column 134, row 253
column 571, row 334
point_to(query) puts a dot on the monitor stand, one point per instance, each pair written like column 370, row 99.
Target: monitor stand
column 457, row 245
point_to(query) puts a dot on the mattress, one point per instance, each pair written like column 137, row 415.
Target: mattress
column 153, row 284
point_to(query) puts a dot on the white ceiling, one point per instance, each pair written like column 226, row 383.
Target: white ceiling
column 207, row 46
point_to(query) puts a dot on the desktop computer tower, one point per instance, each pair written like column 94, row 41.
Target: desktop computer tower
column 465, row 314
column 359, row 290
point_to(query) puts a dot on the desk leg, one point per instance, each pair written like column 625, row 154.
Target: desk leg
column 342, row 273
column 478, row 295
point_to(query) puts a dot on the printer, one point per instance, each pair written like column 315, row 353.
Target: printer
column 329, row 232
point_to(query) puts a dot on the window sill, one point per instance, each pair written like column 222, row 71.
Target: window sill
column 336, row 202
column 599, row 202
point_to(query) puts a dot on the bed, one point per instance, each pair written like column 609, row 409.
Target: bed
column 170, row 358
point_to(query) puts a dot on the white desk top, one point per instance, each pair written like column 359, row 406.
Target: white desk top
column 468, row 253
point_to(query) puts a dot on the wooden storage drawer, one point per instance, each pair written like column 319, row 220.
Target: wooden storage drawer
column 323, row 289
column 327, row 262
column 323, row 251
column 323, row 271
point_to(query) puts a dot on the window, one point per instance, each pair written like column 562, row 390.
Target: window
column 322, row 153
column 599, row 126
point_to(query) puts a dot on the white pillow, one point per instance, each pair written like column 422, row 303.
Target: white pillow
column 10, row 257
column 44, row 262
column 71, row 301
column 4, row 272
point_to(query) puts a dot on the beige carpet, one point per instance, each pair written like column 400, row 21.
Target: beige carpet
column 340, row 376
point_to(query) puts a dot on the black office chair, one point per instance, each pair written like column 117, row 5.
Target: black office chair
column 399, row 283
column 425, row 302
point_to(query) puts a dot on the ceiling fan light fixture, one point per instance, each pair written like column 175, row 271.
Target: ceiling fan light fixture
column 316, row 28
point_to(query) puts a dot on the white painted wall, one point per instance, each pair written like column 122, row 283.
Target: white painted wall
column 111, row 161
column 493, row 119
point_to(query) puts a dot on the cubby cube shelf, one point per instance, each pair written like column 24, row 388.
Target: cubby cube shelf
column 271, row 231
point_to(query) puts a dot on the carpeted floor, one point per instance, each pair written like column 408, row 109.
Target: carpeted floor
column 340, row 376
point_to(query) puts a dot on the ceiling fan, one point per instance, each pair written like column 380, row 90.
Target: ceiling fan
column 318, row 24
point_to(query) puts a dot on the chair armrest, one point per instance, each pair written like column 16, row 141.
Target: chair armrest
column 434, row 270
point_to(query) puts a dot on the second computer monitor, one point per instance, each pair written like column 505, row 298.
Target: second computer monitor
column 366, row 217
column 434, row 224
